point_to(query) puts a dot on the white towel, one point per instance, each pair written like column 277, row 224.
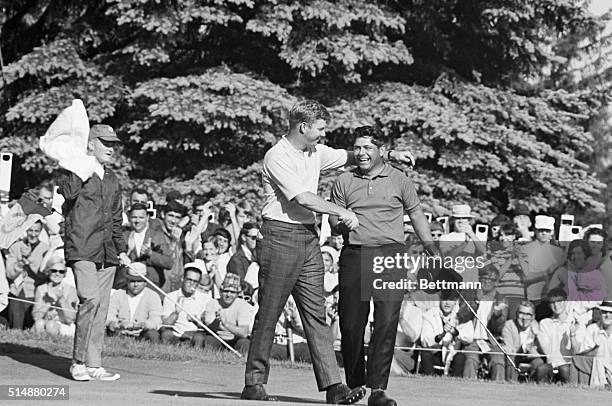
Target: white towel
column 66, row 142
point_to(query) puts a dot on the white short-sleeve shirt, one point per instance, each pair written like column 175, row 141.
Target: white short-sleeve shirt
column 288, row 172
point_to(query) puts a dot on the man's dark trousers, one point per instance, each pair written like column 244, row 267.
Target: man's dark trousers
column 291, row 263
column 356, row 279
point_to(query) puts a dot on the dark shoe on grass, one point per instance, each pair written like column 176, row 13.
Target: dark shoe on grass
column 379, row 398
column 256, row 392
column 340, row 394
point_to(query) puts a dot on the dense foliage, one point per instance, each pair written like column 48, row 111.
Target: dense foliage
column 199, row 89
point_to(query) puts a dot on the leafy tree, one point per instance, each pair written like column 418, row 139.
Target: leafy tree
column 199, row 89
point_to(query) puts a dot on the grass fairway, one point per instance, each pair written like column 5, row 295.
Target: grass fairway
column 183, row 375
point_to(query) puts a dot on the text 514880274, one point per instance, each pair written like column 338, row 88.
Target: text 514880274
column 30, row 392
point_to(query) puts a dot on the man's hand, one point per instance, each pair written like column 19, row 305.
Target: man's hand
column 573, row 328
column 349, row 219
column 113, row 326
column 231, row 209
column 177, row 232
column 450, row 329
column 145, row 250
column 124, row 259
column 404, row 157
column 25, row 251
column 463, row 227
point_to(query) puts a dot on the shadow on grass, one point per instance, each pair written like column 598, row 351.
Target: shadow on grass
column 231, row 395
column 37, row 357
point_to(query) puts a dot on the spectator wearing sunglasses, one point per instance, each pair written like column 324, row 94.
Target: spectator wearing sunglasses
column 56, row 302
column 245, row 253
column 193, row 303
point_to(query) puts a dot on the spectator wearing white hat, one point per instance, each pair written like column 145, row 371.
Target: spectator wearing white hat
column 136, row 309
column 462, row 241
column 181, row 325
column 56, row 302
column 596, row 340
column 538, row 260
column 330, row 264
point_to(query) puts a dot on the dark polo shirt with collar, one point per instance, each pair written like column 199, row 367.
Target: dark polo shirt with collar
column 379, row 204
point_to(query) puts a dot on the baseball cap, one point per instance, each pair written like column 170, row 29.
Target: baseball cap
column 104, row 132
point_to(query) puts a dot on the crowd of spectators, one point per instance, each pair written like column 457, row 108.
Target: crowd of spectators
column 543, row 305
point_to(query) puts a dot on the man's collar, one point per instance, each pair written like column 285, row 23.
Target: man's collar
column 247, row 252
column 385, row 171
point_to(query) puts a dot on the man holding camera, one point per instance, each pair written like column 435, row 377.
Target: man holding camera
column 94, row 246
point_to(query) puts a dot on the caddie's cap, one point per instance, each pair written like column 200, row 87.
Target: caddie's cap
column 104, row 132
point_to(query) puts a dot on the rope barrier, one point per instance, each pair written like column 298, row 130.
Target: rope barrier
column 66, row 309
column 414, row 348
column 191, row 317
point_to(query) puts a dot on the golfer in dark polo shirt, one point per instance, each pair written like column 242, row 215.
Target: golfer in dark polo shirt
column 378, row 194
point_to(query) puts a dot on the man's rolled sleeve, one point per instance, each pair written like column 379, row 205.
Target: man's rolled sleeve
column 410, row 198
column 331, row 158
column 285, row 176
column 338, row 194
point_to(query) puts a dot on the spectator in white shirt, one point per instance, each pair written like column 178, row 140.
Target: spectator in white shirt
column 554, row 339
column 136, row 310
column 518, row 337
column 596, row 341
column 56, row 302
column 229, row 316
column 179, row 324
column 442, row 329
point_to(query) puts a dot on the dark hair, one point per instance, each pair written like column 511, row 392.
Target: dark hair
column 584, row 244
column 594, row 231
column 509, row 228
column 556, row 292
column 500, row 219
column 307, row 111
column 335, row 232
column 141, row 191
column 199, row 201
column 138, row 206
column 176, row 207
column 245, row 229
column 449, row 294
column 378, row 137
column 173, row 195
column 192, row 269
column 223, row 233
